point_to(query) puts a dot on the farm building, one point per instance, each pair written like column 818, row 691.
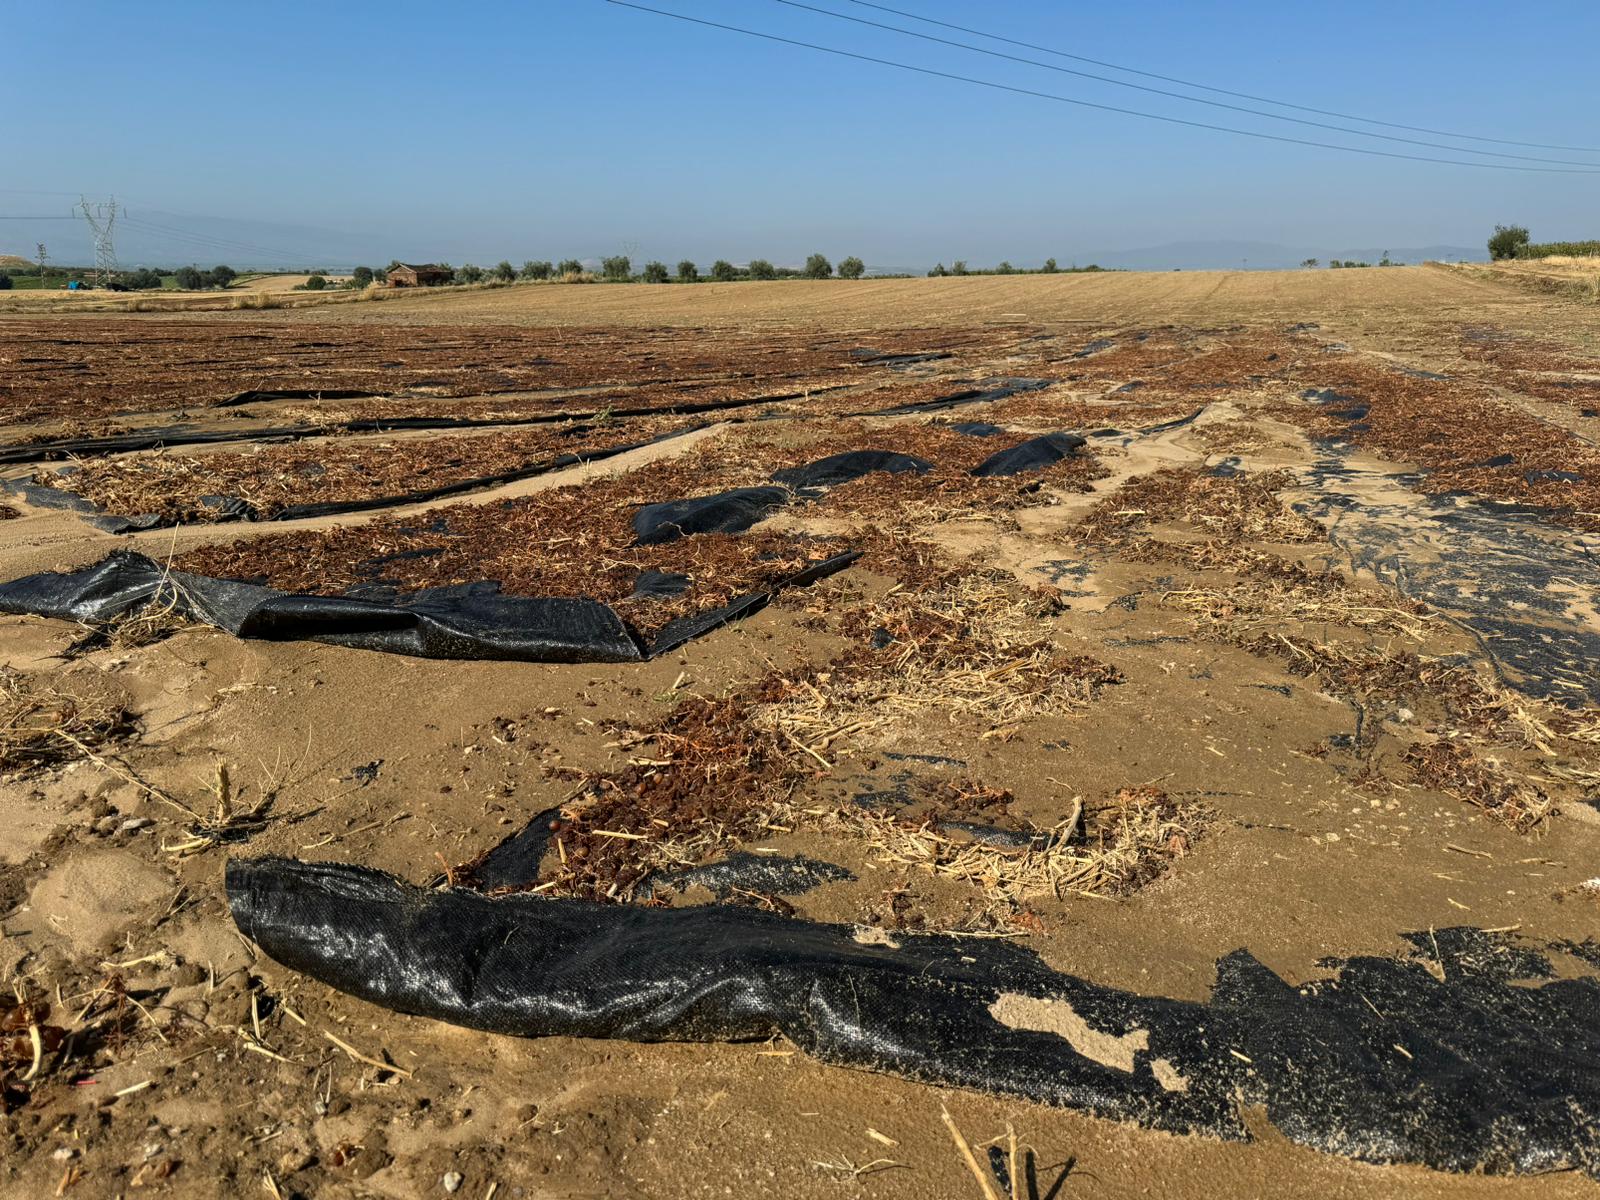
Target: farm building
column 413, row 275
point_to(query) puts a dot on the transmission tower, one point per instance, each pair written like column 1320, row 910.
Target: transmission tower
column 101, row 218
column 43, row 257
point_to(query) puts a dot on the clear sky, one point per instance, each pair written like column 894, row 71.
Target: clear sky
column 562, row 128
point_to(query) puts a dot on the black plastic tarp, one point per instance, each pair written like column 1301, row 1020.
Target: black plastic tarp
column 739, row 509
column 470, row 621
column 725, row 512
column 1465, row 1054
column 848, row 467
column 1032, row 455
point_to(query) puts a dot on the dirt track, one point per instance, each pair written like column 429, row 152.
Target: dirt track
column 1350, row 678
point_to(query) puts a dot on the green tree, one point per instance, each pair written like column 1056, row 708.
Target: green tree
column 1005, row 268
column 361, row 276
column 569, row 266
column 760, row 268
column 938, row 270
column 818, row 267
column 504, row 271
column 467, row 273
column 189, row 279
column 724, row 271
column 222, row 276
column 1507, row 241
column 1308, row 263
column 655, row 272
column 1049, row 267
column 960, row 267
column 687, row 272
column 316, row 283
column 852, row 268
column 5, row 282
column 536, row 270
column 617, row 267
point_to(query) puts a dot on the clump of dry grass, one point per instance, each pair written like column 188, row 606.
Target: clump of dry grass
column 229, row 818
column 46, row 722
column 970, row 650
column 1240, row 610
column 1454, row 768
column 1226, row 508
column 1233, row 437
column 1111, row 850
column 718, row 771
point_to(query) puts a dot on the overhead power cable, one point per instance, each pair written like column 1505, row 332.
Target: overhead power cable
column 1321, row 112
column 217, row 245
column 1129, row 112
column 1155, row 91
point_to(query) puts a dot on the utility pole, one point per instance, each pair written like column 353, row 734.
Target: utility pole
column 102, row 218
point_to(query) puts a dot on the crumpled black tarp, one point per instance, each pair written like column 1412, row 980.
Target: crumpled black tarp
column 847, row 467
column 1500, row 1069
column 764, row 874
column 726, row 512
column 737, row 510
column 1032, row 455
column 470, row 621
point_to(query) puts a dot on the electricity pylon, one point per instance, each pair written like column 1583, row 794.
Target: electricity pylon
column 102, row 218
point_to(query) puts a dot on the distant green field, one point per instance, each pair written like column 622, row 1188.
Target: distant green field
column 57, row 281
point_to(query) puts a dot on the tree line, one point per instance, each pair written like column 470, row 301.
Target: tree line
column 1513, row 241
column 1050, row 267
column 619, row 268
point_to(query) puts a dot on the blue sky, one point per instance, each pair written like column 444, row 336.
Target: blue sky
column 573, row 127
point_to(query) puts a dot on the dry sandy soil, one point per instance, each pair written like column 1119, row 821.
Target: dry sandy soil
column 1303, row 635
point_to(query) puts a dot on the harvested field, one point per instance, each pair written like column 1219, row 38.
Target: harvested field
column 1215, row 666
column 62, row 368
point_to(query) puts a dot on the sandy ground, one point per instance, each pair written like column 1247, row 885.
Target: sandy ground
column 226, row 1082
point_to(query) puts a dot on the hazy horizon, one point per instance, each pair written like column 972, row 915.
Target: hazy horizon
column 585, row 129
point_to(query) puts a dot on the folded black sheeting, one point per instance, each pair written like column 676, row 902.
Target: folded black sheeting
column 470, row 621
column 726, row 512
column 848, row 467
column 1500, row 1070
column 687, row 629
column 1032, row 455
column 763, row 874
column 741, row 508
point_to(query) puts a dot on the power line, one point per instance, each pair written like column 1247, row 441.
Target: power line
column 1139, row 87
column 1128, row 112
column 216, row 244
column 1321, row 112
